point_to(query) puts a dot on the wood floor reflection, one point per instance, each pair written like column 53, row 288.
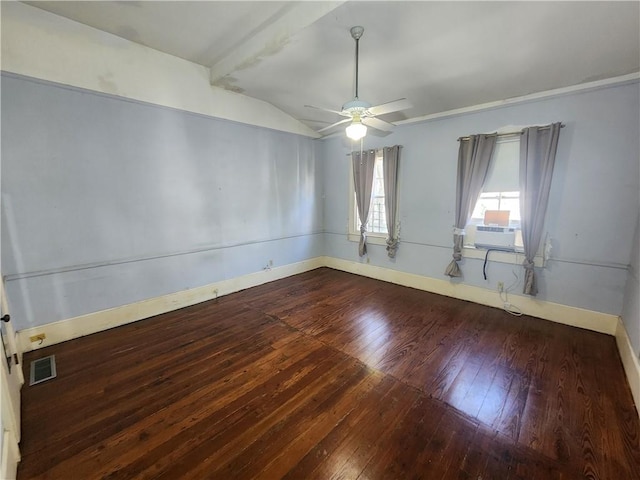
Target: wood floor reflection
column 331, row 375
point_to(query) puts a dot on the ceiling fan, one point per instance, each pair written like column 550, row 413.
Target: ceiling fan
column 362, row 114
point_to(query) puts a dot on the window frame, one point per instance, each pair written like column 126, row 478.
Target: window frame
column 353, row 231
column 500, row 196
column 469, row 250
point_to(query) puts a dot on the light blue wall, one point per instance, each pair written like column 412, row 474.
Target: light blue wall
column 631, row 308
column 592, row 210
column 107, row 201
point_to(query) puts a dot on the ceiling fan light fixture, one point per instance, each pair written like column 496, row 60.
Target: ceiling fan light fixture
column 356, row 109
column 356, row 130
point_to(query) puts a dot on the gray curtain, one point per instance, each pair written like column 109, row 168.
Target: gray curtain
column 537, row 157
column 390, row 157
column 474, row 156
column 363, row 166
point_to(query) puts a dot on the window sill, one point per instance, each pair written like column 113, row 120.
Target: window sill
column 514, row 258
column 372, row 238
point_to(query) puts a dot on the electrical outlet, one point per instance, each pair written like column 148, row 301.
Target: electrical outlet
column 500, row 287
column 38, row 338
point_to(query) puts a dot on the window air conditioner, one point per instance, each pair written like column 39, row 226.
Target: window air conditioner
column 501, row 238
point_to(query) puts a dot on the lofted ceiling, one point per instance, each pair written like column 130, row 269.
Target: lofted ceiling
column 440, row 55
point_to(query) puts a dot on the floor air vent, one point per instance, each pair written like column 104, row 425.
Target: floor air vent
column 43, row 369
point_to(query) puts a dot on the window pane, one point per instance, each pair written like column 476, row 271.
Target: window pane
column 504, row 201
column 500, row 192
column 504, row 166
column 377, row 217
column 485, row 202
column 377, row 221
column 513, row 206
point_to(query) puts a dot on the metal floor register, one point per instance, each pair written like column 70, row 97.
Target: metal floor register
column 43, row 369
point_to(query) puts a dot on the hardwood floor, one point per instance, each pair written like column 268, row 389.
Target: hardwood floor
column 331, row 375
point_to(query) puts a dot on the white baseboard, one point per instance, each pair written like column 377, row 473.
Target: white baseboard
column 80, row 326
column 574, row 316
column 95, row 322
column 630, row 362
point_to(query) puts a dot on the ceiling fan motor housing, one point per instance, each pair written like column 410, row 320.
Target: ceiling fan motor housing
column 356, row 32
column 356, row 106
column 361, row 114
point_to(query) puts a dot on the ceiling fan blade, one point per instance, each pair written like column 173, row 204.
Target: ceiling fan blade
column 333, row 125
column 311, row 120
column 377, row 124
column 328, row 110
column 396, row 105
column 378, row 133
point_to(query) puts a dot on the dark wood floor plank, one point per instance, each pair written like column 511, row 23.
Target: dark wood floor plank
column 165, row 384
column 316, row 457
column 232, row 381
column 307, row 427
column 413, row 435
column 344, row 460
column 407, row 441
column 438, row 353
column 180, row 433
column 525, row 405
column 370, row 439
column 330, row 375
column 217, row 444
column 163, row 359
column 166, row 347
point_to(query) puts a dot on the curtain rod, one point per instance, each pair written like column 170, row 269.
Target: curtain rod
column 511, row 134
column 376, row 150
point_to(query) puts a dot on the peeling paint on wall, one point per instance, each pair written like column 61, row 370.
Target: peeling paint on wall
column 227, row 83
column 129, row 33
column 271, row 48
column 107, row 83
column 39, row 44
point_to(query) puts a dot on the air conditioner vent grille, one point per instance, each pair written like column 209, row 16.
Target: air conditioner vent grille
column 485, row 228
column 43, row 369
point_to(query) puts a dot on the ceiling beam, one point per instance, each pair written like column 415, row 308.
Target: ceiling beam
column 270, row 38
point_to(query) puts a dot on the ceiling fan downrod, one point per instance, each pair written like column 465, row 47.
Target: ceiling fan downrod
column 356, row 33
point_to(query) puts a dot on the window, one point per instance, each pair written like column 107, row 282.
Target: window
column 489, row 227
column 377, row 217
column 377, row 224
column 500, row 193
column 497, row 201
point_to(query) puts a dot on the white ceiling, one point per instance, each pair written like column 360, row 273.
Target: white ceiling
column 440, row 55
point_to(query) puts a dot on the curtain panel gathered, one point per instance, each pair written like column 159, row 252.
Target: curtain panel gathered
column 390, row 159
column 538, row 148
column 363, row 167
column 474, row 155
